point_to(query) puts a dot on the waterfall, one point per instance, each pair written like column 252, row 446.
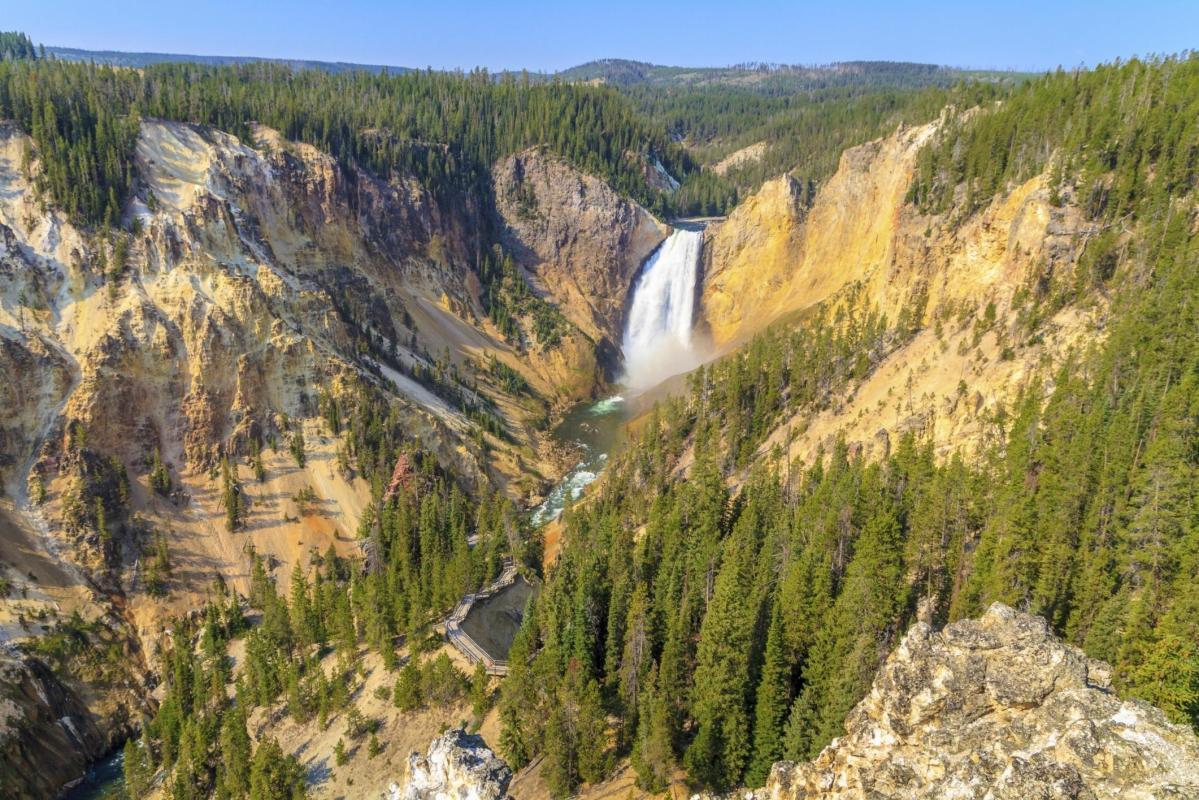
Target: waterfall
column 657, row 336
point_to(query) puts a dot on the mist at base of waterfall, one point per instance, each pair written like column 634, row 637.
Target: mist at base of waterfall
column 652, row 366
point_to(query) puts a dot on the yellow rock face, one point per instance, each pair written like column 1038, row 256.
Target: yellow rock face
column 772, row 258
column 749, row 260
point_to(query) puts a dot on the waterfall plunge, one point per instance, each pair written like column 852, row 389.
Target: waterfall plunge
column 657, row 336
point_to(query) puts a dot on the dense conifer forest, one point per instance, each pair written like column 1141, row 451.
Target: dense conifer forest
column 14, row 46
column 446, row 129
column 803, row 117
column 727, row 629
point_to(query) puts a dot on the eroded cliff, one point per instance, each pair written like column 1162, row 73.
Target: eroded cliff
column 581, row 242
column 964, row 297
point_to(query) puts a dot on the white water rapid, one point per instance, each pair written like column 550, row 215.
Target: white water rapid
column 657, row 336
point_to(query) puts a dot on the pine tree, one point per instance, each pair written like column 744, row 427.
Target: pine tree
column 296, row 445
column 770, row 709
column 160, row 476
column 480, row 694
column 274, row 776
column 575, row 734
column 407, row 692
column 652, row 755
column 635, row 660
column 102, row 524
column 303, row 616
column 136, row 767
column 256, row 460
column 235, row 752
column 231, row 496
column 721, row 749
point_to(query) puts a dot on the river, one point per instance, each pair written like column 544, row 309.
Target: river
column 105, row 780
column 593, row 429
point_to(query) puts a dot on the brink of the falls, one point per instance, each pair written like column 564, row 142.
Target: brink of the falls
column 657, row 336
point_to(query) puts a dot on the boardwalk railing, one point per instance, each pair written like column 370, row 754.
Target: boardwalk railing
column 462, row 640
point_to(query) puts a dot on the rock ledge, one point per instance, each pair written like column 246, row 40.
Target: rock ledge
column 995, row 709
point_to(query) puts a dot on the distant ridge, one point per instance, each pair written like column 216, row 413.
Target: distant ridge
column 757, row 77
column 776, row 77
column 119, row 58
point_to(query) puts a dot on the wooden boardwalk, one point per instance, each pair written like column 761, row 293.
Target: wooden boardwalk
column 462, row 640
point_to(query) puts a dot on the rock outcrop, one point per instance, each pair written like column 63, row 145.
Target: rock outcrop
column 579, row 240
column 458, row 766
column 43, row 722
column 995, row 709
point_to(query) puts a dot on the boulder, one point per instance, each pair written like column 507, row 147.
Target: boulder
column 458, row 766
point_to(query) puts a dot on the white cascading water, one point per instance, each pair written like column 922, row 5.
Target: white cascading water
column 657, row 336
column 657, row 344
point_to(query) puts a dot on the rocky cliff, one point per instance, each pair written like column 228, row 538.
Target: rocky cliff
column 966, row 290
column 44, row 721
column 254, row 279
column 581, row 243
column 458, row 766
column 995, row 709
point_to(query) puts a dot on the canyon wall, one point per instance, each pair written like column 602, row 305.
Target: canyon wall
column 580, row 242
column 962, row 289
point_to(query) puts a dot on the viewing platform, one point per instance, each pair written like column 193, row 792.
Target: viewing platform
column 484, row 623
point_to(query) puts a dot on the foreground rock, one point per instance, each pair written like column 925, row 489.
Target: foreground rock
column 458, row 766
column 993, row 709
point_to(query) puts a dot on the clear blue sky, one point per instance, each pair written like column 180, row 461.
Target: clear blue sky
column 542, row 35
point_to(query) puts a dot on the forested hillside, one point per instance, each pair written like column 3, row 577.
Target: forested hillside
column 801, row 117
column 672, row 587
column 119, row 58
column 447, row 129
column 777, row 79
column 801, row 134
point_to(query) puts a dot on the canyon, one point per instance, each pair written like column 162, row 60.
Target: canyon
column 510, row 332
